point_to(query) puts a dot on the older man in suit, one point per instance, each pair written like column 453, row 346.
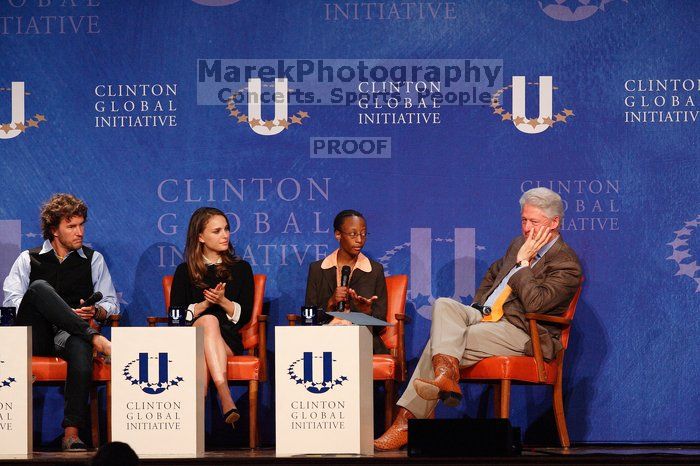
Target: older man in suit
column 538, row 273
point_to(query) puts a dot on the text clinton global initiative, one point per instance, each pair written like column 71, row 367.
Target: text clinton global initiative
column 317, row 415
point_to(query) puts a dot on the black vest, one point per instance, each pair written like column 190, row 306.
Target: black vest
column 72, row 278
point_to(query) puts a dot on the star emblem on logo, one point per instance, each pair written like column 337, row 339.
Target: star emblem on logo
column 21, row 126
column 572, row 10
column 496, row 106
column 311, row 385
column 240, row 117
column 7, row 382
column 682, row 254
column 153, row 387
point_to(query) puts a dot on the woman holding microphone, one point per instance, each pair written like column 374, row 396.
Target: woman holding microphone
column 366, row 286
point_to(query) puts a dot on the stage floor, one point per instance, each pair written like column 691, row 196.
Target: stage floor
column 617, row 454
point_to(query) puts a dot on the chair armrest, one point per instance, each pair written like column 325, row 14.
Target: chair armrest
column 293, row 319
column 537, row 350
column 547, row 318
column 152, row 321
column 112, row 320
column 533, row 318
column 262, row 346
column 401, row 320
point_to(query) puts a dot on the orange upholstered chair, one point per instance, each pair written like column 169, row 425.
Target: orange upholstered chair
column 250, row 367
column 502, row 371
column 52, row 370
column 389, row 368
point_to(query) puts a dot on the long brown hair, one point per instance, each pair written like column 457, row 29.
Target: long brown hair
column 194, row 249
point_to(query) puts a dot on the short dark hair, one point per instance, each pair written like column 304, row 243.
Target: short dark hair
column 57, row 208
column 115, row 454
column 342, row 215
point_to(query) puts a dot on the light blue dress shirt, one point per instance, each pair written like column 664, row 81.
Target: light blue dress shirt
column 17, row 281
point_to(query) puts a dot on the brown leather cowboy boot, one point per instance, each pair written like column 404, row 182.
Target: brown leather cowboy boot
column 445, row 386
column 395, row 436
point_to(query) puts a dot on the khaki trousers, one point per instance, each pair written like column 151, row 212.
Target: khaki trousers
column 457, row 331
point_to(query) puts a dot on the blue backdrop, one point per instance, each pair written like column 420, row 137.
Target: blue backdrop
column 124, row 107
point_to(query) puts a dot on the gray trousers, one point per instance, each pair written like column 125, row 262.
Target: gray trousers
column 457, row 331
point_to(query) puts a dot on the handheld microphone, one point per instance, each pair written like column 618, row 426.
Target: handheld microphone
column 96, row 296
column 344, row 279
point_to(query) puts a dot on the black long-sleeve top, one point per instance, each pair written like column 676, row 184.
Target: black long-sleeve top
column 239, row 289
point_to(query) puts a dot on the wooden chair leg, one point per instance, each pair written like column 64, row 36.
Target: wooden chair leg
column 94, row 417
column 389, row 402
column 504, row 399
column 496, row 399
column 558, row 405
column 109, row 411
column 253, row 405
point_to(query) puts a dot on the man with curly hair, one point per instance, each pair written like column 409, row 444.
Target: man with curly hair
column 48, row 285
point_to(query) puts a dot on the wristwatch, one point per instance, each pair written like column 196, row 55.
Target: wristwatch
column 100, row 314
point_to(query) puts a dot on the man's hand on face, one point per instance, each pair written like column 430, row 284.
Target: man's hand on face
column 535, row 240
column 85, row 312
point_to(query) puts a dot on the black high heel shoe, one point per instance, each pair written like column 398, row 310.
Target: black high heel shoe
column 231, row 416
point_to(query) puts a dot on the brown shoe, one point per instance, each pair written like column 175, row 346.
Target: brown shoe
column 445, row 386
column 395, row 436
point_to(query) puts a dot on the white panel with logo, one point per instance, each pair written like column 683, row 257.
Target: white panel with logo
column 158, row 390
column 15, row 392
column 323, row 390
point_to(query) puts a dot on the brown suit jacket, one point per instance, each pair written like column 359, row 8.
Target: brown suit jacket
column 546, row 288
column 321, row 284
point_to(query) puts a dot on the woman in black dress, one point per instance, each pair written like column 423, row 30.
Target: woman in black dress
column 217, row 287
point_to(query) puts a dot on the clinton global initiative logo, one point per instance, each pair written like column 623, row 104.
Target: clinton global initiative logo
column 7, row 381
column 589, row 204
column 17, row 124
column 142, row 379
column 661, row 100
column 135, row 105
column 302, row 372
column 572, row 10
column 544, row 120
column 259, row 93
column 683, row 252
column 452, row 257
